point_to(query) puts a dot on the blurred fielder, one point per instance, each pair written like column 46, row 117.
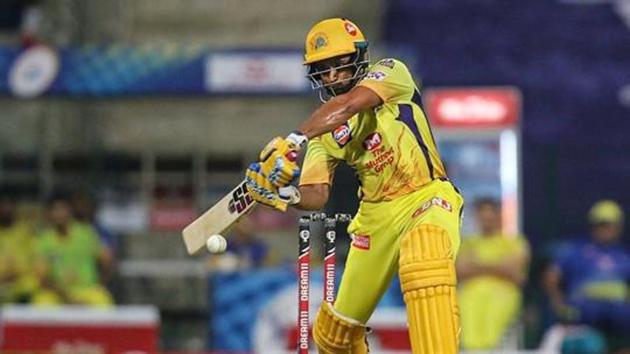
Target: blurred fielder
column 409, row 216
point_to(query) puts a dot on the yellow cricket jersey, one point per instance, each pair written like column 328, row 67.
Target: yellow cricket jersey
column 16, row 248
column 16, row 257
column 493, row 250
column 391, row 147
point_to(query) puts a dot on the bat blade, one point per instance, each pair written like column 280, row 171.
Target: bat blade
column 218, row 219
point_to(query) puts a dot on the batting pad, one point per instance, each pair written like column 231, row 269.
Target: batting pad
column 335, row 334
column 427, row 279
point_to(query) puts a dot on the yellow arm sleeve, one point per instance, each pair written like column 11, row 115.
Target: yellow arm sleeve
column 319, row 166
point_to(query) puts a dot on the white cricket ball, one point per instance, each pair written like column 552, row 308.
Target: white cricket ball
column 216, row 244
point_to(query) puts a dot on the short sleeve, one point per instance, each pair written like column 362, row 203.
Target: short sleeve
column 319, row 166
column 390, row 80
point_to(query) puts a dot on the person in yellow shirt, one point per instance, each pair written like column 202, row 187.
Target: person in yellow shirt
column 17, row 239
column 68, row 256
column 409, row 216
column 491, row 268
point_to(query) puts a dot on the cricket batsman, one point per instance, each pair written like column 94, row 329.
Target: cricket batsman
column 408, row 220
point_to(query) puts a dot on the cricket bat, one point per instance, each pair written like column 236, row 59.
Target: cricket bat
column 228, row 211
column 218, row 219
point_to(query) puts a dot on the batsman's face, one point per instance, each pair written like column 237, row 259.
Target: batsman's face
column 335, row 72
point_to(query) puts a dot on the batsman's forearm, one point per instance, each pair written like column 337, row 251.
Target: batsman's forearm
column 328, row 117
column 313, row 197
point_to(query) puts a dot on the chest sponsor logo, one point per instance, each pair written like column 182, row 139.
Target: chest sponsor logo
column 361, row 241
column 342, row 135
column 437, row 201
column 383, row 157
column 372, row 141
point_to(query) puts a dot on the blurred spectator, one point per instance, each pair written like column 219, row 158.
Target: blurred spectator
column 17, row 281
column 588, row 280
column 84, row 211
column 68, row 256
column 244, row 249
column 30, row 26
column 491, row 268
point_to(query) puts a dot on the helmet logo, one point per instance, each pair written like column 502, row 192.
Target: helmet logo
column 319, row 41
column 350, row 28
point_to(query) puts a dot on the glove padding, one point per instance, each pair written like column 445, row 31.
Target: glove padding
column 290, row 194
column 278, row 162
column 261, row 189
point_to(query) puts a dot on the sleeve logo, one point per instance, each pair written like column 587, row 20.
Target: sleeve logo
column 388, row 63
column 375, row 75
column 342, row 135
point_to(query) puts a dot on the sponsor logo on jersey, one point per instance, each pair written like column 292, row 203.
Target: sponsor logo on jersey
column 361, row 241
column 350, row 28
column 389, row 63
column 375, row 75
column 342, row 135
column 437, row 201
column 372, row 141
column 383, row 157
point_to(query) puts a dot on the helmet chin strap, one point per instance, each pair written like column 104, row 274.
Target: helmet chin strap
column 328, row 91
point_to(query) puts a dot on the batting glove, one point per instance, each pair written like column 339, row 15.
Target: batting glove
column 290, row 194
column 278, row 159
column 261, row 189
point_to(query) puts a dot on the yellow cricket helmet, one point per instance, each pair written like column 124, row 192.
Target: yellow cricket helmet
column 332, row 37
column 335, row 38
